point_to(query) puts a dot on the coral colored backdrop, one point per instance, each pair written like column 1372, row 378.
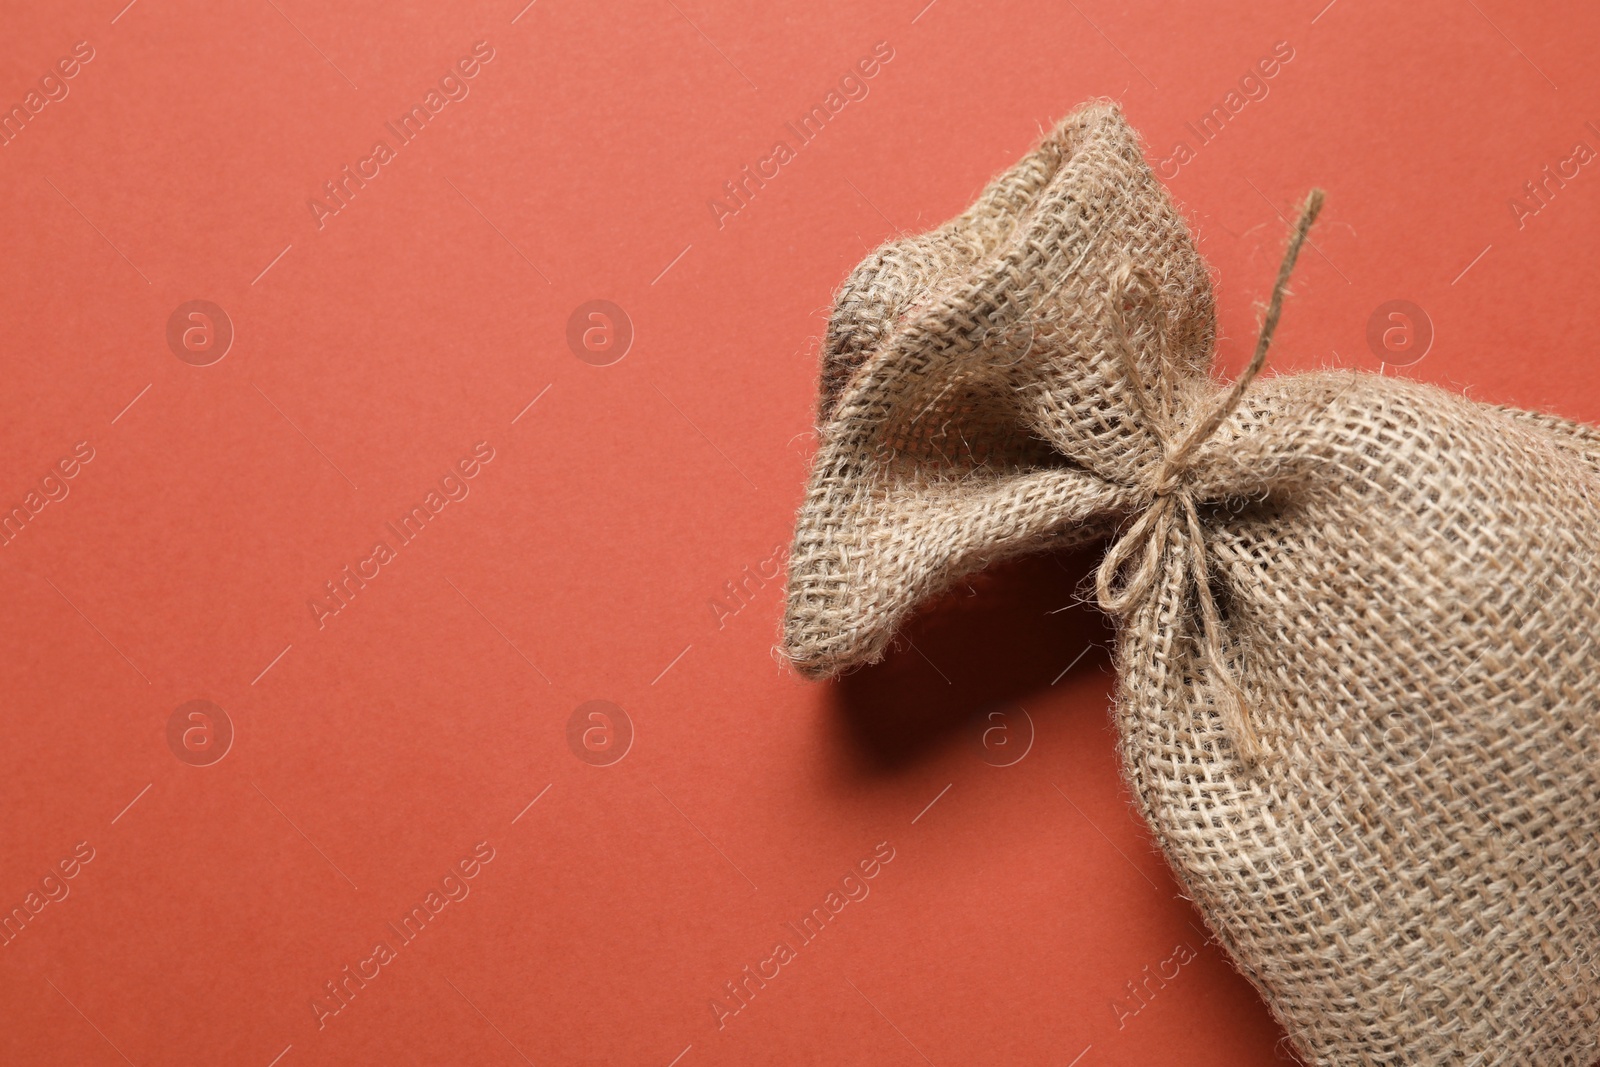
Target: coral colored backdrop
column 405, row 413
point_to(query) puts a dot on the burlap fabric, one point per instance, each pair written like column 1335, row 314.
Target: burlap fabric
column 1357, row 615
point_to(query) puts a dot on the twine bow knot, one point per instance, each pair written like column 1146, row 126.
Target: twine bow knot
column 1169, row 526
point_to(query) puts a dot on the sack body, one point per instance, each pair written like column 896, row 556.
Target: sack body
column 1401, row 586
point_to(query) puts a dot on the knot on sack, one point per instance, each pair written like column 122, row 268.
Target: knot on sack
column 1168, row 538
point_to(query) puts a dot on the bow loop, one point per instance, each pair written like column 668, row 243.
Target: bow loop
column 1145, row 539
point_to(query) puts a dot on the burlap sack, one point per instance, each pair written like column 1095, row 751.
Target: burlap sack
column 1358, row 615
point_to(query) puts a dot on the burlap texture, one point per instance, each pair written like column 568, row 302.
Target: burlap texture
column 1405, row 586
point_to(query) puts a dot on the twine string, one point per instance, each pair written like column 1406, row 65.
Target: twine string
column 1169, row 527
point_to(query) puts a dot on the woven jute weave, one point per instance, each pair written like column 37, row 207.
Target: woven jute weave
column 1358, row 615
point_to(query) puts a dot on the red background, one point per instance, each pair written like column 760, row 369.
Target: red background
column 376, row 750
